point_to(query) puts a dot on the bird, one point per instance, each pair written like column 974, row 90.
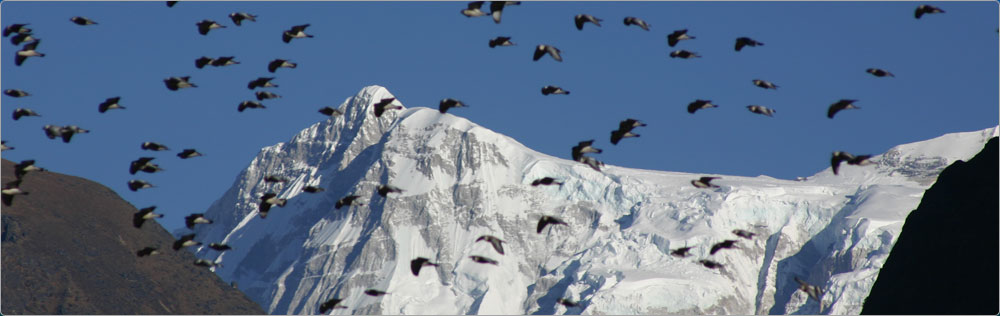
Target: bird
column 677, row 36
column 761, row 110
column 195, row 218
column 813, row 291
column 147, row 251
column 249, row 105
column 680, row 252
column 136, row 185
column 22, row 112
column 625, row 130
column 10, row 189
column 207, row 25
column 501, row 41
column 206, row 263
column 474, row 9
column 418, row 263
column 330, row 304
column 261, row 82
column 384, row 105
column 348, row 201
column 3, row 146
column 297, row 31
column 16, row 93
column 27, row 51
column 448, row 103
column 617, row 136
column 567, row 302
column 16, row 28
column 744, row 233
column 746, row 41
column 264, row 95
column 238, row 17
column 545, row 220
column 926, row 9
column 219, row 247
column 547, row 90
column 584, row 18
column 496, row 8
column 843, row 104
column 385, row 189
column 543, row 49
column 142, row 215
column 838, row 157
column 483, row 260
column 170, row 4
column 631, row 20
column 879, row 72
column 328, row 111
column 189, row 153
column 592, row 162
column 726, row 244
column 66, row 132
column 683, row 54
column 52, row 131
column 704, row 182
column 79, row 20
column 224, row 61
column 374, row 292
column 280, row 63
column 143, row 164
column 175, row 83
column 764, row 84
column 584, row 147
column 110, row 103
column 700, row 104
column 710, row 264
column 153, row 146
column 267, row 200
column 21, row 38
column 493, row 240
column 545, row 181
column 275, row 178
column 22, row 168
column 312, row 189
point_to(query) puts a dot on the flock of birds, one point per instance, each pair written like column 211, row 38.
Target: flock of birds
column 23, row 35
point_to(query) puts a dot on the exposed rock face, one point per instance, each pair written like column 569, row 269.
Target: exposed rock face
column 69, row 247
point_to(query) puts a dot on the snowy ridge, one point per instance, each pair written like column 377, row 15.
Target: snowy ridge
column 462, row 181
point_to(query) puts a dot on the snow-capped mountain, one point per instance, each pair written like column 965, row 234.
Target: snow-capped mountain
column 462, row 181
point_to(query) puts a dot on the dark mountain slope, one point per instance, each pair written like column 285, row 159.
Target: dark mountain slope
column 69, row 248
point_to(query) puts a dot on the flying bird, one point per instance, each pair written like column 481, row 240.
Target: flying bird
column 10, row 189
column 384, row 105
column 374, row 292
column 584, row 18
column 761, row 110
column 677, row 36
column 16, row 93
column 764, row 84
column 264, row 95
column 546, row 220
column 202, row 61
column 545, row 181
column 195, row 218
column 631, row 20
column 448, row 103
column 879, row 72
column 474, row 9
column 261, row 82
column 483, row 260
column 625, row 130
column 496, row 242
column 224, row 61
column 418, row 263
column 333, row 303
column 189, row 153
column 841, row 156
column 66, row 132
column 275, row 178
column 298, row 31
column 617, row 136
column 744, row 233
column 267, row 200
column 813, row 291
column 348, row 201
column 3, row 146
column 22, row 112
column 280, row 63
column 584, row 147
column 207, row 25
column 746, row 41
column 16, row 28
column 109, row 104
column 136, row 185
column 543, row 49
column 142, row 215
column 710, row 264
column 170, row 4
column 547, row 90
column 206, row 263
column 683, row 54
column 592, row 162
column 22, row 168
column 843, row 104
column 700, row 104
column 496, row 8
column 567, row 302
column 219, row 247
column 147, row 251
column 249, row 105
column 704, row 182
column 143, row 164
column 79, row 20
column 726, row 244
column 385, row 189
column 27, row 51
column 175, row 83
column 312, row 189
column 501, row 41
column 328, row 111
column 680, row 252
column 926, row 9
column 21, row 38
column 238, row 17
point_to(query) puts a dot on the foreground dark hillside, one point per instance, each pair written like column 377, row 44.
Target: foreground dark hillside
column 945, row 261
column 69, row 248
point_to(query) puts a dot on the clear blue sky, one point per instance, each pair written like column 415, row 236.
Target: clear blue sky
column 946, row 68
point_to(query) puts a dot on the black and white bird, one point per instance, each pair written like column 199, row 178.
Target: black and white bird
column 677, row 36
column 207, row 25
column 418, row 263
column 261, row 82
column 249, row 105
column 625, row 130
column 700, row 104
column 704, row 182
column 52, row 131
column 631, row 20
column 725, row 244
column 681, row 252
column 195, row 218
column 79, row 20
column 348, row 201
column 264, row 95
column 759, row 109
column 567, row 302
column 170, row 4
column 710, row 264
column 219, row 247
column 483, row 260
column 29, row 50
column 273, row 178
column 147, row 251
column 189, row 153
column 592, row 162
column 813, row 291
column 22, row 112
column 843, row 104
column 267, row 200
column 546, row 220
column 175, row 83
column 764, row 84
column 448, row 103
column 312, row 189
column 143, row 164
column 3, row 146
column 298, row 31
column 109, row 104
column 224, row 61
column 580, row 19
column 926, row 9
column 280, row 63
column 385, row 105
column 493, row 240
column 584, row 147
column 238, row 17
column 683, row 54
column 545, row 181
column 206, row 263
column 328, row 111
column 501, row 41
column 474, row 9
column 374, row 292
column 543, row 49
column 746, row 41
column 66, row 132
column 879, row 72
column 550, row 89
column 136, row 185
column 21, row 38
column 16, row 29
column 22, row 168
column 385, row 189
column 496, row 8
column 16, row 93
column 744, row 233
column 841, row 156
column 143, row 214
column 10, row 189
column 330, row 304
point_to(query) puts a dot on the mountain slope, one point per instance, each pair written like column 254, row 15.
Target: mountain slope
column 463, row 181
column 69, row 247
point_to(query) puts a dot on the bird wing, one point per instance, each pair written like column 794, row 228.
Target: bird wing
column 539, row 52
column 554, row 52
column 497, row 244
column 475, row 5
column 579, row 22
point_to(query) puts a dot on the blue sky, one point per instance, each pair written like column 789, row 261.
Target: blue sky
column 946, row 68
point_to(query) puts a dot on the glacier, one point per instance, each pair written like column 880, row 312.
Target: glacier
column 462, row 181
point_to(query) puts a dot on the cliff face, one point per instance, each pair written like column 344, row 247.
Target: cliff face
column 945, row 261
column 70, row 248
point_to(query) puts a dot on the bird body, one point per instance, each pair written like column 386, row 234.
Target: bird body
column 761, row 110
column 267, row 200
column 546, row 220
column 16, row 28
column 224, row 61
column 704, row 182
column 385, row 189
column 567, row 302
column 206, row 263
column 189, row 153
column 879, row 72
column 312, row 189
column 743, row 233
column 700, row 104
column 746, row 41
column 474, row 9
column 219, row 247
column 238, row 17
column 280, row 63
column 496, row 8
column 584, row 147
column 545, row 181
column 109, row 104
column 677, row 36
column 143, row 164
column 348, row 201
column 16, row 93
column 631, row 20
column 726, row 244
column 448, row 103
column 142, row 215
column 483, row 260
column 249, row 105
column 196, row 218
column 680, row 252
column 710, row 264
column 841, row 156
column 384, row 105
column 843, row 104
column 10, row 189
column 374, row 292
column 683, row 54
column 418, row 263
column 22, row 112
column 261, row 82
column 147, row 251
column 22, row 168
column 298, row 31
column 501, row 41
column 21, row 38
column 617, row 136
column 207, row 25
column 29, row 50
column 331, row 111
column 176, row 83
column 926, row 9
column 136, row 185
column 543, row 49
column 264, row 95
column 764, row 84
column 547, row 90
column 79, row 20
column 493, row 240
column 580, row 19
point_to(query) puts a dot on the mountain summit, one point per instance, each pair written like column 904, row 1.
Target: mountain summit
column 461, row 181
